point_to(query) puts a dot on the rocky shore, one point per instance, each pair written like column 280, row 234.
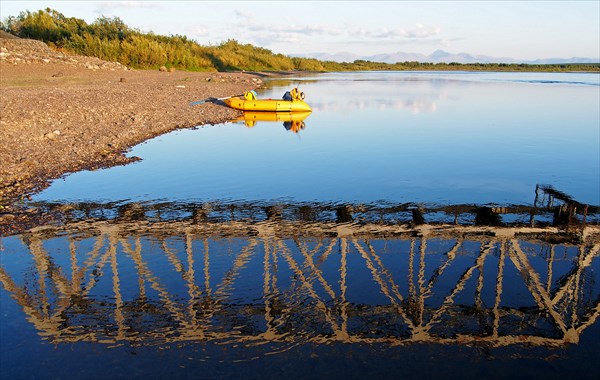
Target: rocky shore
column 62, row 113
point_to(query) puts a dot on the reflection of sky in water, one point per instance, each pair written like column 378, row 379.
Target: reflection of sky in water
column 402, row 137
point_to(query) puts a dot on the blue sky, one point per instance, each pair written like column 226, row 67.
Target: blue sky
column 517, row 29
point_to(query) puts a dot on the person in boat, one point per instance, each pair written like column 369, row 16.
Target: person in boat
column 250, row 95
column 293, row 94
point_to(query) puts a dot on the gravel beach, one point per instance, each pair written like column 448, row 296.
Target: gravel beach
column 62, row 113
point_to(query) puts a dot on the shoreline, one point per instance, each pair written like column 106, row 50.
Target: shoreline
column 61, row 114
column 60, row 118
column 55, row 128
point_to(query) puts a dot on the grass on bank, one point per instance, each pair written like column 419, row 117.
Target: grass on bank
column 111, row 40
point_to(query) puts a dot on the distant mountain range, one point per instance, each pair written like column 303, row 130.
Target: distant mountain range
column 439, row 56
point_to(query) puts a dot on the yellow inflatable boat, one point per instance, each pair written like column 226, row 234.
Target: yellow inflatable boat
column 293, row 101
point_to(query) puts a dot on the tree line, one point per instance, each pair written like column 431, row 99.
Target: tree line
column 111, row 39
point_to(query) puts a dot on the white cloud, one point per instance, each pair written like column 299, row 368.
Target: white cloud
column 255, row 28
column 110, row 6
column 423, row 31
column 419, row 31
column 267, row 33
column 244, row 14
column 292, row 28
column 278, row 38
column 283, row 34
column 197, row 30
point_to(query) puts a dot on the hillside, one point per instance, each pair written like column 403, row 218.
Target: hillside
column 16, row 50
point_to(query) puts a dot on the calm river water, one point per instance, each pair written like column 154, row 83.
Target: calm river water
column 386, row 136
column 414, row 225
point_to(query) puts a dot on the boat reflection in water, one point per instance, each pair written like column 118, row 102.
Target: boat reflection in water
column 292, row 121
column 271, row 277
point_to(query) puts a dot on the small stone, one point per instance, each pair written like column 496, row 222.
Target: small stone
column 123, row 80
column 163, row 69
column 52, row 135
column 7, row 217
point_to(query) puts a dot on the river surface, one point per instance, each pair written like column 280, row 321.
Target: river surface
column 402, row 137
column 407, row 228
